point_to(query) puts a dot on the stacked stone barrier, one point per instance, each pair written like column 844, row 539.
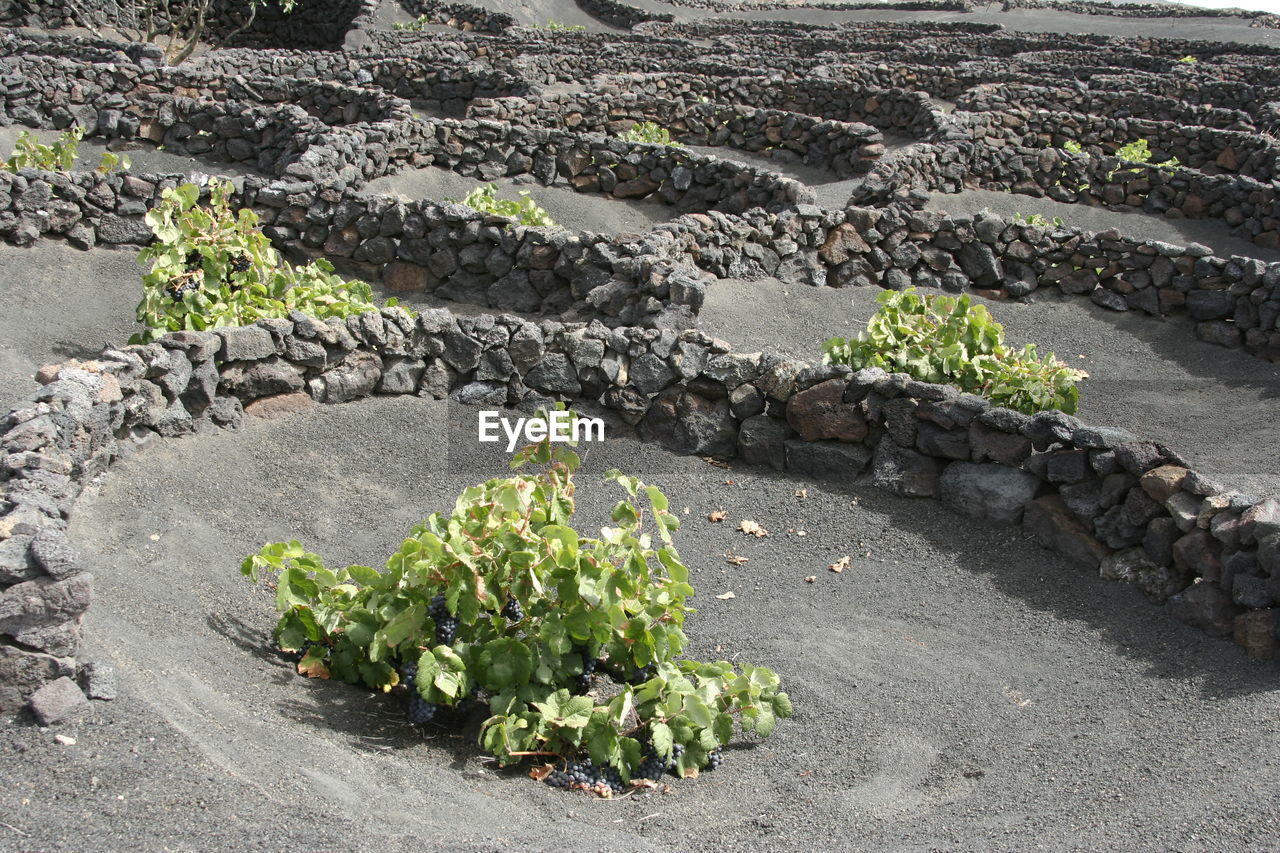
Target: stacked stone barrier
column 621, row 15
column 315, row 24
column 1131, row 510
column 619, row 313
column 461, row 16
column 843, row 148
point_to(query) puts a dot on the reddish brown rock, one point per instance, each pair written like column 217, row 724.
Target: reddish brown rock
column 404, row 278
column 1163, row 482
column 280, row 405
column 843, row 242
column 821, row 413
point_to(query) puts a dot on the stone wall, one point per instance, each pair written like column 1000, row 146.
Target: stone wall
column 1001, row 97
column 461, row 16
column 843, row 148
column 621, row 15
column 322, row 24
column 1129, row 509
column 842, row 100
column 1141, row 10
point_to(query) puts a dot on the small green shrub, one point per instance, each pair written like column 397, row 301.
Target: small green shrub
column 503, row 602
column 647, row 131
column 1037, row 220
column 1072, row 146
column 1139, row 152
column 936, row 338
column 418, row 24
column 555, row 26
column 524, row 209
column 211, row 268
column 1188, row 60
column 58, row 156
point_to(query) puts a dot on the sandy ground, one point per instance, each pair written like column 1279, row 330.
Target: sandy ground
column 1026, row 20
column 60, row 303
column 1213, row 233
column 144, row 158
column 1149, row 376
column 569, row 209
column 959, row 688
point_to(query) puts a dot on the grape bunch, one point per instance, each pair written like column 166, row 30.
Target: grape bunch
column 654, row 766
column 409, row 673
column 582, row 683
column 446, row 624
column 512, row 611
column 420, row 710
column 193, row 261
column 241, row 263
column 651, row 768
column 586, row 775
column 640, row 676
column 181, row 287
column 715, row 758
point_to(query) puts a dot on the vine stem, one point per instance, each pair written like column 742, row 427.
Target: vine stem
column 535, row 752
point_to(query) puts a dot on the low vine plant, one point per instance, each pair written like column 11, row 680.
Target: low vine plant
column 650, row 132
column 58, row 156
column 1037, row 220
column 524, row 210
column 938, row 338
column 211, row 267
column 555, row 26
column 1138, row 152
column 573, row 643
column 418, row 24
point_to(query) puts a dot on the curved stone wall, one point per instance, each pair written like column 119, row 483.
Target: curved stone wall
column 620, row 314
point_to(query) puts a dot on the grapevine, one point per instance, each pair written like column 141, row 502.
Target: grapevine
column 212, row 268
column 573, row 642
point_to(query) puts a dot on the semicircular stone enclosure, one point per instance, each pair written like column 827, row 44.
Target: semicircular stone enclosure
column 316, row 110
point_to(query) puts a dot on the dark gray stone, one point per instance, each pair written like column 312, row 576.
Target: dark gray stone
column 904, row 471
column 554, row 375
column 99, row 681
column 356, row 377
column 827, row 460
column 996, row 492
column 690, row 424
column 1206, row 606
column 246, row 343
column 400, row 375
column 761, row 441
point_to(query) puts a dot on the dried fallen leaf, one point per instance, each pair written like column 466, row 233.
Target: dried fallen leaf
column 685, row 510
column 691, row 773
column 313, row 668
column 65, row 740
column 542, row 772
column 734, row 559
column 810, row 578
column 716, row 462
column 718, row 516
column 841, row 564
column 729, row 483
column 798, row 531
column 725, row 596
column 751, row 528
column 802, row 493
